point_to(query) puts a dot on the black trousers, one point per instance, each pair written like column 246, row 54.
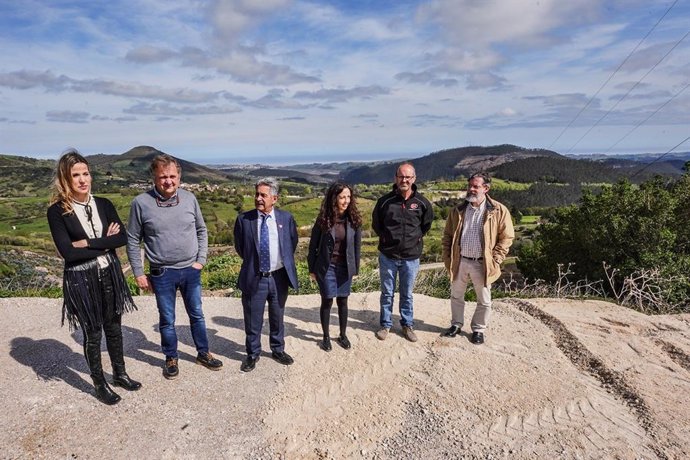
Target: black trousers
column 112, row 326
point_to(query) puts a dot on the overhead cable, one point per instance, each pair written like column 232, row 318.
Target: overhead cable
column 662, row 156
column 647, row 119
column 612, row 75
column 627, row 93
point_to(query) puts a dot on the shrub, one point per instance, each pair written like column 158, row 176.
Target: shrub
column 628, row 228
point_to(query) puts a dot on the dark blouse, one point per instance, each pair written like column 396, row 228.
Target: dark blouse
column 338, row 232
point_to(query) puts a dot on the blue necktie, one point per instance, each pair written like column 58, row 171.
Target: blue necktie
column 264, row 251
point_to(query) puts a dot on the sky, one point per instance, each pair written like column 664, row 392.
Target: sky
column 286, row 81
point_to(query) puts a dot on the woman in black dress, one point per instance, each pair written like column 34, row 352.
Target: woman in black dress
column 86, row 231
column 333, row 258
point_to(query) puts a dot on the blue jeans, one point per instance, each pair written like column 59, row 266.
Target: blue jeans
column 389, row 270
column 165, row 286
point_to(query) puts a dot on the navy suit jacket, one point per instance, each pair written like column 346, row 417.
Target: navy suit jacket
column 247, row 246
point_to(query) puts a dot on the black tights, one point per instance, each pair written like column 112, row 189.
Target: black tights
column 325, row 313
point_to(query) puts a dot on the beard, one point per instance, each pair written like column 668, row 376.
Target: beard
column 471, row 198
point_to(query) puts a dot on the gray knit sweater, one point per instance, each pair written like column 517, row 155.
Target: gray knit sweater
column 174, row 237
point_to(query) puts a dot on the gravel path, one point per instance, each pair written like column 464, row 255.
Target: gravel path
column 555, row 379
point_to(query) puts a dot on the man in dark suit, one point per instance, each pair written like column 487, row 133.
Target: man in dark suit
column 266, row 239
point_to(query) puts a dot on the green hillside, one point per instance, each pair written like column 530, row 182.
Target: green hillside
column 447, row 164
column 23, row 176
column 133, row 167
column 513, row 163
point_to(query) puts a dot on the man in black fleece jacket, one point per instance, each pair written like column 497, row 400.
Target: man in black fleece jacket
column 401, row 218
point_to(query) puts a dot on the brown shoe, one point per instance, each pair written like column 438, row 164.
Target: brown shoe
column 171, row 371
column 409, row 334
column 209, row 361
column 382, row 333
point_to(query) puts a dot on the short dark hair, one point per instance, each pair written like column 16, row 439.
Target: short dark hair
column 484, row 176
column 163, row 160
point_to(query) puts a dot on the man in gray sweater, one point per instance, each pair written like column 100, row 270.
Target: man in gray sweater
column 168, row 221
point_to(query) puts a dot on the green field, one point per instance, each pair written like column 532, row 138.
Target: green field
column 529, row 220
column 23, row 226
column 461, row 185
column 23, row 222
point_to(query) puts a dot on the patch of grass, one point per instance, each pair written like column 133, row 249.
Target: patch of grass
column 303, row 210
column 501, row 184
column 527, row 220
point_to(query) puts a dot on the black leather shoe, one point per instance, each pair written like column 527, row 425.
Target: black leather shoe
column 452, row 331
column 282, row 357
column 477, row 338
column 326, row 344
column 123, row 380
column 249, row 364
column 171, row 371
column 344, row 342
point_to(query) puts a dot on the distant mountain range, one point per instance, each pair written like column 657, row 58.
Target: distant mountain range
column 25, row 176
column 513, row 163
column 448, row 164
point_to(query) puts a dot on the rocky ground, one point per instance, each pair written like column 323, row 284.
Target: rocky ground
column 555, row 379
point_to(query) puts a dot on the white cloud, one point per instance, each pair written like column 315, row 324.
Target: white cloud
column 470, row 24
column 343, row 94
column 507, row 112
column 67, row 116
column 25, row 79
column 166, row 109
column 481, row 80
column 230, row 18
column 457, row 71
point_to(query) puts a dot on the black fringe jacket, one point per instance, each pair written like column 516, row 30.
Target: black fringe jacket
column 81, row 284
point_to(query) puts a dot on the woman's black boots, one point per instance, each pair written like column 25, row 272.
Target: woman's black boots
column 104, row 393
column 115, row 350
column 92, row 351
column 121, row 379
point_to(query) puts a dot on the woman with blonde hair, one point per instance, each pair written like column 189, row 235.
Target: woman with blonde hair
column 86, row 231
column 333, row 258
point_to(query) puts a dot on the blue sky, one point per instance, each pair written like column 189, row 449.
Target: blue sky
column 285, row 81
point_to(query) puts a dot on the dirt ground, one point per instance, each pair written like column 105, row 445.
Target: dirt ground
column 555, row 379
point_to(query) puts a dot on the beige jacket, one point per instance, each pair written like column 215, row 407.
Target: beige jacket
column 498, row 236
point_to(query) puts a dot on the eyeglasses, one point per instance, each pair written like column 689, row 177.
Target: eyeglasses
column 168, row 203
column 405, row 177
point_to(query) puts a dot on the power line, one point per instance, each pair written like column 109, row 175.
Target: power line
column 612, row 75
column 647, row 119
column 662, row 156
column 629, row 91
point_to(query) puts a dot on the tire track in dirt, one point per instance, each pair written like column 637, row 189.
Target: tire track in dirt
column 597, row 419
column 677, row 355
column 585, row 361
column 336, row 399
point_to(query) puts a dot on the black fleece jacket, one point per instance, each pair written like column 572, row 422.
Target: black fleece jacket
column 401, row 224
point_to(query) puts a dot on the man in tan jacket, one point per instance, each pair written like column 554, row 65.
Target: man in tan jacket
column 476, row 240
